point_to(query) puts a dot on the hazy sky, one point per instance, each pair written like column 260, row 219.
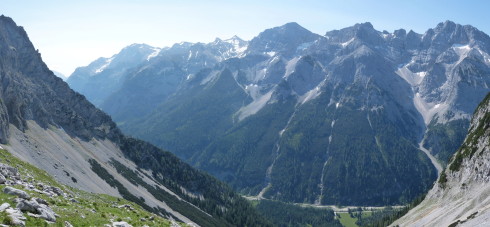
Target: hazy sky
column 73, row 33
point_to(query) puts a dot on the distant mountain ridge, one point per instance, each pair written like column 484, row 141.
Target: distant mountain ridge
column 348, row 115
column 105, row 75
column 44, row 122
column 60, row 75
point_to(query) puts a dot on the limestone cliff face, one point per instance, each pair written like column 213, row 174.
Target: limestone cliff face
column 44, row 122
column 461, row 195
column 30, row 91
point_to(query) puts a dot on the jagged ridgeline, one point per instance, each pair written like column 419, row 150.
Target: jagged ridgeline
column 350, row 117
column 45, row 123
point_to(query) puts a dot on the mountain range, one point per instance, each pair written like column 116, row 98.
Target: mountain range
column 352, row 117
column 45, row 123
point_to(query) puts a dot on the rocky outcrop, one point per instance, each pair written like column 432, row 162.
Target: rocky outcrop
column 34, row 207
column 17, row 192
column 16, row 216
column 30, row 91
column 55, row 128
column 121, row 224
column 106, row 75
column 460, row 196
column 38, row 210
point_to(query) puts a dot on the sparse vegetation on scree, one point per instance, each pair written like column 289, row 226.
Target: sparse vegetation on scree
column 71, row 206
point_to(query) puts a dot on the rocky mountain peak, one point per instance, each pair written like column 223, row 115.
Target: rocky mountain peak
column 217, row 40
column 235, row 40
column 447, row 26
column 449, row 33
column 14, row 41
column 42, row 118
column 292, row 26
column 400, row 33
column 180, row 47
column 283, row 39
column 364, row 26
column 361, row 32
column 136, row 47
column 353, row 75
column 235, row 37
column 28, row 84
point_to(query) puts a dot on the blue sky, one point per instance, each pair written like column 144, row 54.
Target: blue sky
column 73, row 33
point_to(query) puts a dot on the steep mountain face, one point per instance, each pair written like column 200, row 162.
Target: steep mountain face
column 44, row 122
column 284, row 40
column 459, row 198
column 162, row 76
column 105, row 75
column 354, row 117
column 60, row 75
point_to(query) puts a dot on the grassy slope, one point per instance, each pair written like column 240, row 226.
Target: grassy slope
column 91, row 209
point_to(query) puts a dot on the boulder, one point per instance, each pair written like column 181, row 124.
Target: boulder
column 27, row 205
column 4, row 206
column 38, row 210
column 41, row 201
column 121, row 224
column 17, row 216
column 2, row 179
column 17, row 192
column 57, row 191
column 45, row 213
column 8, row 171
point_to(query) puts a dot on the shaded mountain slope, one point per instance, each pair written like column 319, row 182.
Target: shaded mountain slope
column 43, row 121
column 348, row 115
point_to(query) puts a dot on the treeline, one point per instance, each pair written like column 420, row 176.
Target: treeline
column 288, row 215
column 387, row 216
column 220, row 201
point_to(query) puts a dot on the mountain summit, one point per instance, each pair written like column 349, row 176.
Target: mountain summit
column 284, row 40
column 355, row 117
column 105, row 75
column 44, row 122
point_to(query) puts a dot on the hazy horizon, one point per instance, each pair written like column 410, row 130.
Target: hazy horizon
column 73, row 34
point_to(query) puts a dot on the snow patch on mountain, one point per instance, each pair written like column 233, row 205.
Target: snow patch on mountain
column 271, row 53
column 238, row 46
column 104, row 66
column 347, row 43
column 461, row 49
column 253, row 90
column 304, row 46
column 155, row 53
